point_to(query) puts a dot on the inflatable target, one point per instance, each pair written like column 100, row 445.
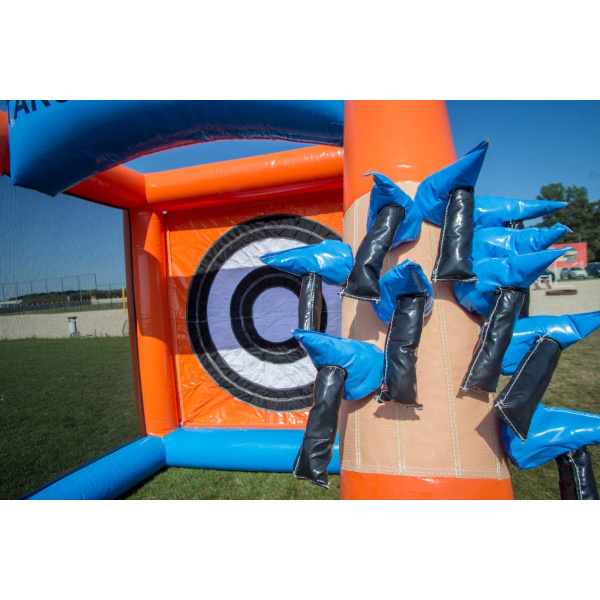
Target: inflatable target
column 239, row 314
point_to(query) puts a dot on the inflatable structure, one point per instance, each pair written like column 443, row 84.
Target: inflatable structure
column 345, row 307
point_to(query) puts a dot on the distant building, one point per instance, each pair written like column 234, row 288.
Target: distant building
column 9, row 303
column 9, row 306
column 577, row 257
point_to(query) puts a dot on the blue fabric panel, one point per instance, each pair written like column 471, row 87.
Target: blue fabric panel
column 362, row 361
column 110, row 476
column 518, row 270
column 553, row 431
column 496, row 242
column 330, row 259
column 564, row 329
column 493, row 211
column 433, row 192
column 405, row 278
column 56, row 144
column 269, row 450
column 385, row 192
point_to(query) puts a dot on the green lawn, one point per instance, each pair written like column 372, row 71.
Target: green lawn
column 62, row 403
column 65, row 402
column 204, row 484
column 575, row 385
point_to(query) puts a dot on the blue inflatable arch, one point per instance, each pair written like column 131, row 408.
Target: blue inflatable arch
column 55, row 144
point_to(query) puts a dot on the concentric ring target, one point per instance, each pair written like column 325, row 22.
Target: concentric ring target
column 240, row 314
column 256, row 283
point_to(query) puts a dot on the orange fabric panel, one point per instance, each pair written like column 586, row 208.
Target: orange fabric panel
column 373, row 486
column 455, row 435
column 406, row 140
column 119, row 187
column 254, row 178
column 153, row 324
column 190, row 234
column 4, row 153
column 133, row 340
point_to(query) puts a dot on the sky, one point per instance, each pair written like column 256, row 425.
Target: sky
column 533, row 143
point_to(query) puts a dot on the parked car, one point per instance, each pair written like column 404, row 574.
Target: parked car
column 593, row 269
column 573, row 273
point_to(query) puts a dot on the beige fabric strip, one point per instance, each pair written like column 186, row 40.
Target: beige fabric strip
column 455, row 435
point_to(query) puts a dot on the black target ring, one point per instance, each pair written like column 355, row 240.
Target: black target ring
column 289, row 227
column 248, row 290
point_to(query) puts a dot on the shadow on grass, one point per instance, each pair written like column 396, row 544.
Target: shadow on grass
column 203, row 484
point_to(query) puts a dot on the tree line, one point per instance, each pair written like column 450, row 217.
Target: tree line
column 69, row 296
column 580, row 215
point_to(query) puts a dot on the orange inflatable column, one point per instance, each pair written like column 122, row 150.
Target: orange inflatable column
column 450, row 449
column 154, row 340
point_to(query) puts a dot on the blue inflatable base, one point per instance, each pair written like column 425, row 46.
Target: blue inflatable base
column 272, row 450
column 109, row 476
column 115, row 473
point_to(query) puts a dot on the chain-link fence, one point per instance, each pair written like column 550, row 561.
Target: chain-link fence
column 61, row 294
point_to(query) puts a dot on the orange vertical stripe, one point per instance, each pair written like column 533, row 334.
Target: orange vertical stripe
column 153, row 322
column 133, row 342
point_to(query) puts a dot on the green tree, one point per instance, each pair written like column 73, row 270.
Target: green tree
column 580, row 215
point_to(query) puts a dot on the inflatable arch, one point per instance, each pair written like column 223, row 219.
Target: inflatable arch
column 224, row 384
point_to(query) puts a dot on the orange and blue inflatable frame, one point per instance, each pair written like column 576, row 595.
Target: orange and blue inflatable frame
column 451, row 451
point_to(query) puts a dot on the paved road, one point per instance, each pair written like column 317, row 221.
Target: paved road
column 99, row 323
column 587, row 298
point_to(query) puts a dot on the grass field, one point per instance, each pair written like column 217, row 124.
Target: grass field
column 204, row 484
column 575, row 385
column 64, row 402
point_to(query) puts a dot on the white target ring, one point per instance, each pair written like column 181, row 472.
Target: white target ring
column 240, row 314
